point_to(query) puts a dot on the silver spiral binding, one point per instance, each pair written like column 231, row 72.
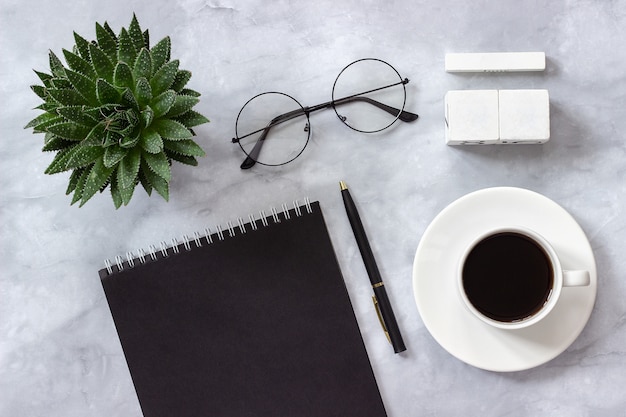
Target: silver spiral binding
column 163, row 251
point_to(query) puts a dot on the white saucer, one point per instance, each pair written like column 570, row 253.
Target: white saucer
column 436, row 291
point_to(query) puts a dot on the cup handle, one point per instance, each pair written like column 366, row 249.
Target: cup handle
column 576, row 278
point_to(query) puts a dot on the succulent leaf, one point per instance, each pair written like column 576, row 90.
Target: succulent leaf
column 128, row 169
column 143, row 92
column 160, row 54
column 123, row 76
column 159, row 164
column 56, row 66
column 171, row 129
column 134, row 30
column 185, row 147
column 106, row 42
column 182, row 105
column 164, row 77
column 102, row 65
column 143, row 64
column 159, row 184
column 192, row 118
column 79, row 64
column 117, row 115
column 69, row 130
column 82, row 45
column 107, row 93
column 77, row 115
column 113, row 155
column 126, row 51
column 151, row 141
column 163, row 103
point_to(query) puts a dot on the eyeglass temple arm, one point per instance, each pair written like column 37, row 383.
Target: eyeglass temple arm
column 404, row 115
column 250, row 160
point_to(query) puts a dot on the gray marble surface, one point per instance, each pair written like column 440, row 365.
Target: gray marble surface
column 59, row 352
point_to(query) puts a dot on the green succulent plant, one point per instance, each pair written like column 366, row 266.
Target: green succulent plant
column 117, row 115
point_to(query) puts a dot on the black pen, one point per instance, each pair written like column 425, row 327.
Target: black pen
column 381, row 301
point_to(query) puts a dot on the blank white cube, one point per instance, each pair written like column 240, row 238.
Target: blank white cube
column 472, row 117
column 524, row 116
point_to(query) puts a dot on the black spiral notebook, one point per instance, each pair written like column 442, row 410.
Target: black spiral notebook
column 252, row 320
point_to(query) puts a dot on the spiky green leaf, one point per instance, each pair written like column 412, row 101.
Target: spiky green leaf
column 71, row 186
column 69, row 130
column 129, row 168
column 160, row 53
column 77, row 115
column 126, row 194
column 123, row 76
column 67, row 97
column 82, row 156
column 59, row 162
column 84, row 85
column 107, row 93
column 192, row 118
column 115, row 194
column 82, row 45
column 129, row 100
column 113, row 155
column 171, row 129
column 126, row 51
column 151, row 141
column 79, row 64
column 164, row 77
column 143, row 64
column 183, row 159
column 182, row 105
column 98, row 176
column 146, row 39
column 163, row 103
column 159, row 164
column 106, row 42
column 159, row 184
column 39, row 90
column 189, row 92
column 143, row 92
column 147, row 116
column 96, row 135
column 111, row 31
column 60, row 83
column 144, row 183
column 134, row 30
column 80, row 186
column 185, row 147
column 55, row 143
column 131, row 140
column 56, row 66
column 182, row 78
column 42, row 119
column 102, row 64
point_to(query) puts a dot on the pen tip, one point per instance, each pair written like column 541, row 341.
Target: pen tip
column 343, row 185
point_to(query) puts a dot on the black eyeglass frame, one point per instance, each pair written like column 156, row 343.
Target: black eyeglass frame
column 400, row 114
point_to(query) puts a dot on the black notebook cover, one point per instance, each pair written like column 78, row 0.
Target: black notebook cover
column 256, row 323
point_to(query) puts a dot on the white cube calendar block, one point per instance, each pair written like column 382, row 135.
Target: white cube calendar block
column 524, row 116
column 472, row 117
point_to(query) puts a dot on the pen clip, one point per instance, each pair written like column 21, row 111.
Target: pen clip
column 380, row 317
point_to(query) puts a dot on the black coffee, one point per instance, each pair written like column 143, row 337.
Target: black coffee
column 507, row 277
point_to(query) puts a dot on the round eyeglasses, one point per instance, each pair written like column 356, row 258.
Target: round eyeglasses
column 368, row 96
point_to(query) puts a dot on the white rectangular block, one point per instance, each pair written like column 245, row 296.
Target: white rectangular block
column 496, row 62
column 524, row 116
column 484, row 117
column 472, row 117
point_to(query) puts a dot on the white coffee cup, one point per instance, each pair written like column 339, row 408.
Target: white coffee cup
column 511, row 277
